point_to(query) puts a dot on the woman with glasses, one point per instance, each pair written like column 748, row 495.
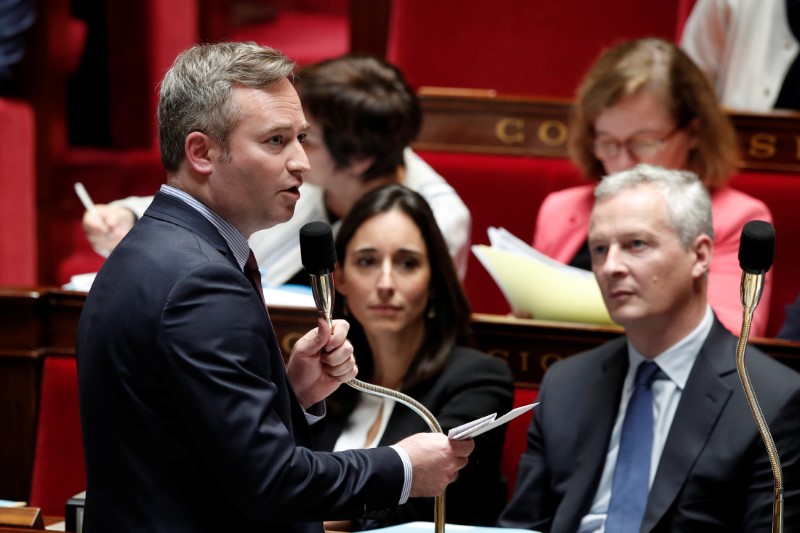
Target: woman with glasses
column 644, row 101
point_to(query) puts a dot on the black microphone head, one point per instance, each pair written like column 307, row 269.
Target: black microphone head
column 316, row 248
column 757, row 247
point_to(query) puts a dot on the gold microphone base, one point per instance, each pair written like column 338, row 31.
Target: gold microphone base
column 752, row 288
column 421, row 410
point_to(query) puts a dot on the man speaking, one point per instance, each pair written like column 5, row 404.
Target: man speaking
column 191, row 421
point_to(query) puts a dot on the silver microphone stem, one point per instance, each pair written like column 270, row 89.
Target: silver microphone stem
column 322, row 289
column 751, row 287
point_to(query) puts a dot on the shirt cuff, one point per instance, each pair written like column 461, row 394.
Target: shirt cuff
column 315, row 413
column 407, row 472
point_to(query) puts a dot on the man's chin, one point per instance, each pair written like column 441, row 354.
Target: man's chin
column 286, row 217
column 623, row 316
column 279, row 218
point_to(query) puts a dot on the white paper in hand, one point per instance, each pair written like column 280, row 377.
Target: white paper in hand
column 482, row 425
column 465, row 430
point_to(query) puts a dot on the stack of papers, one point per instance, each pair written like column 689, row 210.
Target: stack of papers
column 536, row 284
column 289, row 296
column 281, row 296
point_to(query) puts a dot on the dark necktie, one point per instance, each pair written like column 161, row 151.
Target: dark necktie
column 251, row 269
column 630, row 487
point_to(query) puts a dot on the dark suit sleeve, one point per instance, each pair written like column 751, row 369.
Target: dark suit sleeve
column 472, row 385
column 791, row 323
column 759, row 497
column 480, row 385
column 232, row 394
column 485, row 386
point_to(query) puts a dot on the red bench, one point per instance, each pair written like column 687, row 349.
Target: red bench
column 18, row 252
column 506, row 191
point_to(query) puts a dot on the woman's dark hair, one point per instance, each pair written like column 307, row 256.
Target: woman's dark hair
column 449, row 324
column 365, row 109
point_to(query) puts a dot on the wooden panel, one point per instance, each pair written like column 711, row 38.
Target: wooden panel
column 22, row 517
column 38, row 322
column 369, row 26
column 20, row 363
column 482, row 122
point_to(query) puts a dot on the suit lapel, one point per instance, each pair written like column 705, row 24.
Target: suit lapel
column 599, row 414
column 176, row 211
column 701, row 404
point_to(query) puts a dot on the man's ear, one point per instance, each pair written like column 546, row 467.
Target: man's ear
column 358, row 167
column 198, row 152
column 703, row 248
column 339, row 279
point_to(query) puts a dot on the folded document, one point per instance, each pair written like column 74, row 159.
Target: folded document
column 539, row 285
column 482, row 425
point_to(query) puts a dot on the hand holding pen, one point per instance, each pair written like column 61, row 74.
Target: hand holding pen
column 104, row 225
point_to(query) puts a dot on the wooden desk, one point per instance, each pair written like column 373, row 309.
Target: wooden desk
column 41, row 321
column 480, row 121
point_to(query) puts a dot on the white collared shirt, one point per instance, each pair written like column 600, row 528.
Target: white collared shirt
column 676, row 364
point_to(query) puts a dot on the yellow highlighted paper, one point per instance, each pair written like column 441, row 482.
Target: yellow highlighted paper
column 545, row 289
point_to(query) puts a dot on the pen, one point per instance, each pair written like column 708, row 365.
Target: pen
column 87, row 202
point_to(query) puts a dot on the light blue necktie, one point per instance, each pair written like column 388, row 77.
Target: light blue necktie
column 630, row 487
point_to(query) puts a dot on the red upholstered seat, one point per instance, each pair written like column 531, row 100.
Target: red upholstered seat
column 537, row 47
column 58, row 466
column 517, row 436
column 507, row 191
column 18, row 253
column 305, row 37
column 307, row 31
column 502, row 191
column 781, row 192
column 143, row 40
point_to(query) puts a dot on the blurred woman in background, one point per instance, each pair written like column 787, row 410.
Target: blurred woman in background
column 644, row 101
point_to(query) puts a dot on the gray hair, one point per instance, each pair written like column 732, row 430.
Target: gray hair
column 687, row 200
column 195, row 92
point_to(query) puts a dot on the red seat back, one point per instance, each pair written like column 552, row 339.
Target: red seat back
column 18, row 239
column 537, row 47
column 780, row 191
column 517, row 437
column 58, row 466
column 502, row 191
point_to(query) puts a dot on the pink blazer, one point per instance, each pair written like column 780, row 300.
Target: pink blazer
column 563, row 223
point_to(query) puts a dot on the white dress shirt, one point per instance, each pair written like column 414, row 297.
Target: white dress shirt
column 675, row 364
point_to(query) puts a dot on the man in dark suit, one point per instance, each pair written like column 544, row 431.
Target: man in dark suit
column 191, row 421
column 679, row 451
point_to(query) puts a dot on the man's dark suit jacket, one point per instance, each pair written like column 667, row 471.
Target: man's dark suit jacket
column 471, row 385
column 714, row 473
column 791, row 322
column 189, row 422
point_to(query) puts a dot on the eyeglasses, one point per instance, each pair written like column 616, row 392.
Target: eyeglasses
column 640, row 147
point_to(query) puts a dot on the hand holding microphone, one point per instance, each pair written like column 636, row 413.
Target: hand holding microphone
column 320, row 362
column 318, row 255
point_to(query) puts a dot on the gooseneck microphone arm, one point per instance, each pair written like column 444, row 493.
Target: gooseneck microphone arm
column 756, row 252
column 319, row 258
